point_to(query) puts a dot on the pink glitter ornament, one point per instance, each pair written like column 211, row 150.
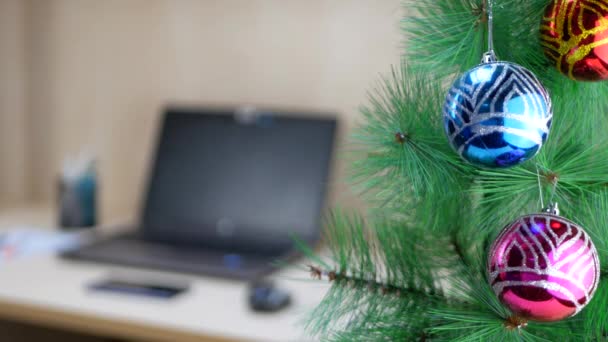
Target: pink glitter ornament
column 543, row 267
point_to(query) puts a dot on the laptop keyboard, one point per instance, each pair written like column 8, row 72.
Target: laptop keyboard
column 136, row 252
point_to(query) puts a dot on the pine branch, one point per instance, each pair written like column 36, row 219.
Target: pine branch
column 378, row 272
column 399, row 136
column 399, row 164
column 479, row 316
column 352, row 308
column 566, row 176
column 373, row 285
column 444, row 36
column 447, row 36
column 415, row 268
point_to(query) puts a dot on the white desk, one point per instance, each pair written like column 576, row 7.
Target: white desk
column 51, row 292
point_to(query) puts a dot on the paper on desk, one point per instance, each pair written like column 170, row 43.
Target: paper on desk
column 23, row 242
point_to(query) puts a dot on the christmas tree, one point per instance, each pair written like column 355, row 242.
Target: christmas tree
column 457, row 161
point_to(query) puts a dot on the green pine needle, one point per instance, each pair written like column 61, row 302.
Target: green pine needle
column 401, row 160
column 421, row 159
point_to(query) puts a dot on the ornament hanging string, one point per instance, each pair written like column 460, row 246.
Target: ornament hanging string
column 489, row 56
column 540, row 188
column 553, row 190
column 540, row 191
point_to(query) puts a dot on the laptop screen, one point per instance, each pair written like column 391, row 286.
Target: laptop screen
column 238, row 182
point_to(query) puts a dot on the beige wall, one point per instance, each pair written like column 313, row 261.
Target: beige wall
column 100, row 70
column 13, row 104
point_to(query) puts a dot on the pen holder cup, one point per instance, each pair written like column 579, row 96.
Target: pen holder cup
column 77, row 202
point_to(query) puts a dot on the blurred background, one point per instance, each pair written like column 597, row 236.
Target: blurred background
column 94, row 75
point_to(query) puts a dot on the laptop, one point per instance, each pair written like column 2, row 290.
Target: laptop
column 228, row 192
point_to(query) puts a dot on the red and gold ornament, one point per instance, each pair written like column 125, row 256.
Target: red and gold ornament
column 574, row 35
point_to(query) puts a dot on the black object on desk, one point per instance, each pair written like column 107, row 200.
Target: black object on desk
column 141, row 288
column 264, row 296
column 228, row 190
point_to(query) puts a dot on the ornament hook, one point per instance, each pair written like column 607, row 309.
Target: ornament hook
column 490, row 55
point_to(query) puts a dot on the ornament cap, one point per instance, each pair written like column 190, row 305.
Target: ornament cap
column 553, row 208
column 489, row 57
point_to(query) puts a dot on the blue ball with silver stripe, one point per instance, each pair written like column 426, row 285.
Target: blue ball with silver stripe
column 497, row 115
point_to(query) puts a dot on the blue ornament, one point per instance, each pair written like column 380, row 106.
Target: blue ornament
column 497, row 115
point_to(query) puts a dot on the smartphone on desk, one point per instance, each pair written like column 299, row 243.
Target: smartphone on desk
column 138, row 288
